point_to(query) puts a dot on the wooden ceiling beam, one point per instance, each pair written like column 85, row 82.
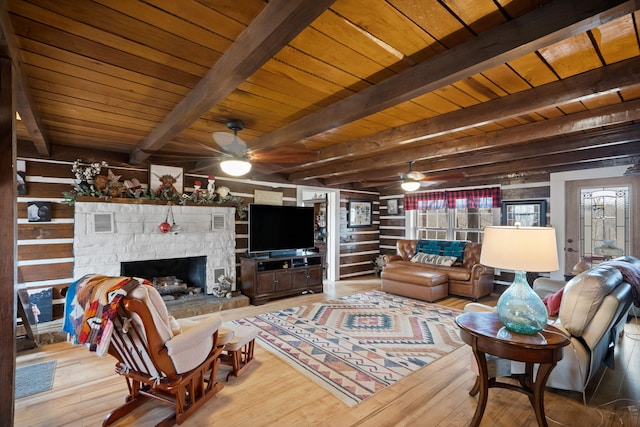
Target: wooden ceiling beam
column 578, row 122
column 274, row 27
column 615, row 77
column 585, row 159
column 556, row 146
column 528, row 176
column 557, row 160
column 551, row 23
column 25, row 102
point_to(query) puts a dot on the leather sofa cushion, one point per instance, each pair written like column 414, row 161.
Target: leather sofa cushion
column 454, row 273
column 414, row 276
column 583, row 295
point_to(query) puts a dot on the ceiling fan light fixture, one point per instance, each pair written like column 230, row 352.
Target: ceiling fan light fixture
column 235, row 166
column 410, row 185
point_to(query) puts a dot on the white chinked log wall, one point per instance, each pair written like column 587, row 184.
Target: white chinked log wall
column 136, row 236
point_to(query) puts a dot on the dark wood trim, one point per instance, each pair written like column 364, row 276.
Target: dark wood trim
column 8, row 231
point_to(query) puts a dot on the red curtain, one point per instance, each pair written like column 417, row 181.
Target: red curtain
column 478, row 198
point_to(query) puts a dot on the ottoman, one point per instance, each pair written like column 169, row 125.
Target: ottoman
column 415, row 283
column 239, row 345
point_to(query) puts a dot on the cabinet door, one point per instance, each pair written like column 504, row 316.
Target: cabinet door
column 299, row 278
column 315, row 275
column 283, row 280
column 266, row 283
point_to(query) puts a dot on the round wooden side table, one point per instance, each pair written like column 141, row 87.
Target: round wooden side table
column 486, row 335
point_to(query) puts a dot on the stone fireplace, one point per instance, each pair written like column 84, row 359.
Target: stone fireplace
column 109, row 235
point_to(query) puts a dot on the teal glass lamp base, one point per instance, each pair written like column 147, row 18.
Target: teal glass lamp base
column 520, row 309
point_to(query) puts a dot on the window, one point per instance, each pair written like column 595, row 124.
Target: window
column 454, row 224
column 454, row 215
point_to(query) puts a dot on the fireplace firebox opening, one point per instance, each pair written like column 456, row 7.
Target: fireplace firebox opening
column 190, row 270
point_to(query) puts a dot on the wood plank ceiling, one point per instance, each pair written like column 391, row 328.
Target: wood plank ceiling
column 333, row 92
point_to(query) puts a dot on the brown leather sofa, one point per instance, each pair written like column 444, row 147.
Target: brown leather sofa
column 425, row 281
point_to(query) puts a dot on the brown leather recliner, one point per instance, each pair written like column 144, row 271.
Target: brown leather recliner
column 471, row 279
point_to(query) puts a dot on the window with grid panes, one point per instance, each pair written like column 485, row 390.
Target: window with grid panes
column 460, row 223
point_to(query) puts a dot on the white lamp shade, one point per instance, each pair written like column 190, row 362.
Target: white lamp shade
column 520, row 248
column 409, row 185
column 235, row 166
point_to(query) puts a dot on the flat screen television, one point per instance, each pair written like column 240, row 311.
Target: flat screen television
column 276, row 229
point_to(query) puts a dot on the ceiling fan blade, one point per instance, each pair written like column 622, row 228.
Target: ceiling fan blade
column 230, row 143
column 204, row 164
column 223, row 139
column 415, row 175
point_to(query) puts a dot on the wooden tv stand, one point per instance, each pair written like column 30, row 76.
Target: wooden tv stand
column 265, row 279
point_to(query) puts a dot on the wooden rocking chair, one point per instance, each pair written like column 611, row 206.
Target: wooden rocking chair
column 175, row 362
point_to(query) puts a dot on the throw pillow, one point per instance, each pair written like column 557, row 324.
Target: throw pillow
column 433, row 259
column 443, row 247
column 553, row 302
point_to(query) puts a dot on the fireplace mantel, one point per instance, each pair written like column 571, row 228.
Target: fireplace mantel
column 238, row 206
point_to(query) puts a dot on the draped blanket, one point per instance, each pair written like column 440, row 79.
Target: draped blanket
column 631, row 274
column 91, row 304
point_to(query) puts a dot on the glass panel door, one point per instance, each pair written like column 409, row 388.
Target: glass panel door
column 604, row 223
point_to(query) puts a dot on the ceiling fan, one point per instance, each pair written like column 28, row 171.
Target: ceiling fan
column 234, row 162
column 233, row 155
column 411, row 179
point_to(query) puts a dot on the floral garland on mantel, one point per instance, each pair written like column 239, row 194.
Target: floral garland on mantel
column 89, row 183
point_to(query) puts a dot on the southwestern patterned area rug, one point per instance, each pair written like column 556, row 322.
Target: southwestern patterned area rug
column 360, row 344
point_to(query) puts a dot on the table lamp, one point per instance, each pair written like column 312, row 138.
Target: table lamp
column 520, row 249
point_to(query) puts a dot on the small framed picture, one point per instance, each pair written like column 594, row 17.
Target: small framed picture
column 529, row 213
column 392, row 206
column 359, row 213
column 39, row 211
column 166, row 178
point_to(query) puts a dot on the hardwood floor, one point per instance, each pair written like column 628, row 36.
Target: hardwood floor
column 85, row 389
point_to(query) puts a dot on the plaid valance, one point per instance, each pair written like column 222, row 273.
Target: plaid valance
column 478, row 198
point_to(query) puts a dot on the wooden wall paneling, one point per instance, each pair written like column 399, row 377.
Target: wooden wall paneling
column 46, row 190
column 44, row 230
column 46, row 168
column 359, row 258
column 34, row 273
column 392, row 226
column 49, row 251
